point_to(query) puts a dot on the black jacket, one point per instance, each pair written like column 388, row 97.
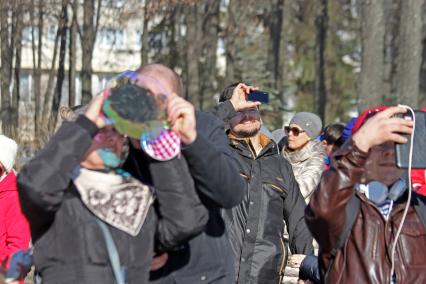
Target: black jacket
column 256, row 226
column 206, row 258
column 68, row 244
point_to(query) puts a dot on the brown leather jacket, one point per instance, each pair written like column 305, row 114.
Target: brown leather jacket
column 366, row 256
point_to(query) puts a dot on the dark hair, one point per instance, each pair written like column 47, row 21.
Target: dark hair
column 333, row 134
column 227, row 92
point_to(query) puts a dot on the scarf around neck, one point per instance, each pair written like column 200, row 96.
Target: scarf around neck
column 119, row 200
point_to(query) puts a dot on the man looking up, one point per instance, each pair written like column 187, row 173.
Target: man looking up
column 256, row 225
column 362, row 168
column 206, row 258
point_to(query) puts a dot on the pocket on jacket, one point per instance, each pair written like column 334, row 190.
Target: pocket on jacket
column 279, row 189
column 412, row 244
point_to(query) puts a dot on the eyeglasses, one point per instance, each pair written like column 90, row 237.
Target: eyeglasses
column 296, row 131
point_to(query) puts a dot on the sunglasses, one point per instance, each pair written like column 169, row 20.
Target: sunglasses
column 296, row 131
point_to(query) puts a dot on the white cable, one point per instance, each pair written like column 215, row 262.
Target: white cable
column 410, row 161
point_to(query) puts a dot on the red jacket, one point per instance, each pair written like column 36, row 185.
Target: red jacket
column 14, row 228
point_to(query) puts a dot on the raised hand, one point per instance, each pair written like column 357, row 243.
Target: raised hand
column 239, row 97
column 181, row 115
column 383, row 127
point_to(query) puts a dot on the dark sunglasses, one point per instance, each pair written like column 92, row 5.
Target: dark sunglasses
column 296, row 131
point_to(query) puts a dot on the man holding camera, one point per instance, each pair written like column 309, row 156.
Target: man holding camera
column 206, row 258
column 256, row 225
column 359, row 214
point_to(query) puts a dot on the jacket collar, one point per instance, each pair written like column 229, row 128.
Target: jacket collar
column 246, row 148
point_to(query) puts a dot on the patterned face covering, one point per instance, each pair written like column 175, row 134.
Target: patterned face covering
column 119, row 200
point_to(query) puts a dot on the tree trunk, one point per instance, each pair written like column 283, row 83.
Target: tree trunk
column 87, row 44
column 18, row 18
column 372, row 37
column 72, row 56
column 275, row 20
column 392, row 18
column 62, row 31
column 409, row 53
column 193, row 40
column 37, row 58
column 422, row 97
column 144, row 35
column 208, row 70
column 321, row 39
column 231, row 34
column 45, row 114
column 6, row 67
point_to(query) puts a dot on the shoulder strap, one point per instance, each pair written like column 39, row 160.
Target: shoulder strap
column 352, row 209
column 420, row 207
column 112, row 253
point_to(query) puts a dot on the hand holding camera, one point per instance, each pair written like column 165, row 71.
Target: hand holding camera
column 383, row 127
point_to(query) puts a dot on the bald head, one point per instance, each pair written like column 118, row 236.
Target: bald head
column 166, row 76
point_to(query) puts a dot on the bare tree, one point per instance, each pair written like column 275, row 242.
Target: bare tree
column 60, row 75
column 72, row 56
column 6, row 51
column 37, row 48
column 321, row 36
column 372, row 37
column 208, row 70
column 409, row 52
column 144, row 34
column 91, row 16
column 193, row 41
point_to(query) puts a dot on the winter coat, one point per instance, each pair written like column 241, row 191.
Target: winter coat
column 69, row 246
column 207, row 258
column 308, row 165
column 256, row 226
column 366, row 255
column 14, row 228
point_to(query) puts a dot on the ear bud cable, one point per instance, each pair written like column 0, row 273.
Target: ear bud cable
column 410, row 162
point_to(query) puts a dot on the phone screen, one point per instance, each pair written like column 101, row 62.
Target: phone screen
column 402, row 151
column 258, row 96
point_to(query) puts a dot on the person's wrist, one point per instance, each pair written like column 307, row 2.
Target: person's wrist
column 234, row 104
column 190, row 138
column 361, row 143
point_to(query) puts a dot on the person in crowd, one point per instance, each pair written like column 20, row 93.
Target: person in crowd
column 91, row 221
column 332, row 139
column 14, row 229
column 256, row 225
column 367, row 228
column 305, row 154
column 207, row 258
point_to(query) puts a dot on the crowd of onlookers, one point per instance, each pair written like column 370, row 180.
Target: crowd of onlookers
column 232, row 207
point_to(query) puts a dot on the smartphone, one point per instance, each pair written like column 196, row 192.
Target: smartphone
column 258, row 96
column 402, row 151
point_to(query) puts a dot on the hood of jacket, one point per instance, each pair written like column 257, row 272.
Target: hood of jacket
column 310, row 149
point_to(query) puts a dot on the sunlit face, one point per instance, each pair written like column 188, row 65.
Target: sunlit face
column 245, row 123
column 380, row 165
column 106, row 139
column 297, row 137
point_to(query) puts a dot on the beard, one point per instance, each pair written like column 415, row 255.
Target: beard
column 246, row 133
